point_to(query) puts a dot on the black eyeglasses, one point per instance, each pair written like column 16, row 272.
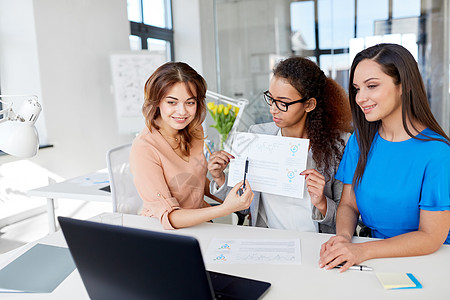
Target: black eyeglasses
column 281, row 105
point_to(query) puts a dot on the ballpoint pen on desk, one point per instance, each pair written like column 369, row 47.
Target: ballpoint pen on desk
column 355, row 267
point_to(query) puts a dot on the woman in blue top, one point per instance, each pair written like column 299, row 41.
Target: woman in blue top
column 396, row 166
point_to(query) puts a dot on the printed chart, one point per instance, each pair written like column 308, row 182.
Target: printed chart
column 242, row 251
column 274, row 166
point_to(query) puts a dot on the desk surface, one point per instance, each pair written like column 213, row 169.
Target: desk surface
column 305, row 281
column 86, row 187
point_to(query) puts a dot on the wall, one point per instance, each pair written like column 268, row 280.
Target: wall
column 194, row 39
column 59, row 49
column 18, row 53
column 193, row 23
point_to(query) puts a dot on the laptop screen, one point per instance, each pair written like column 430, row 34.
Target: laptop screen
column 118, row 262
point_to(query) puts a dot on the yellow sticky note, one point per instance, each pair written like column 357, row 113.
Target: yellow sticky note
column 395, row 280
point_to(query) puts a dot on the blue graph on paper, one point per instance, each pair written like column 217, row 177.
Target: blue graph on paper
column 255, row 257
column 220, row 257
column 290, row 174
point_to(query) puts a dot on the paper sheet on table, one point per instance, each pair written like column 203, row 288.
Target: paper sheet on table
column 275, row 163
column 249, row 251
column 92, row 179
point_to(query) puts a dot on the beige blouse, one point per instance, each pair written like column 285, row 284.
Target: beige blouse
column 164, row 180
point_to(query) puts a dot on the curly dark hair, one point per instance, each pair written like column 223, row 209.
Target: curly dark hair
column 330, row 118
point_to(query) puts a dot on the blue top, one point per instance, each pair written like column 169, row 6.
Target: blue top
column 399, row 180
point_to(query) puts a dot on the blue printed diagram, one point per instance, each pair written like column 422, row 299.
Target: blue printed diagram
column 291, row 174
column 264, row 257
column 224, row 247
column 220, row 257
column 247, row 251
column 294, row 148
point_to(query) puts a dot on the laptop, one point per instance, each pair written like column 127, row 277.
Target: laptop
column 118, row 262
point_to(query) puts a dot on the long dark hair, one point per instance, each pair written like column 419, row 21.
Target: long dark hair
column 157, row 87
column 398, row 63
column 330, row 118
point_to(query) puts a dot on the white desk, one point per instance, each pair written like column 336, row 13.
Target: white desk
column 305, row 281
column 86, row 187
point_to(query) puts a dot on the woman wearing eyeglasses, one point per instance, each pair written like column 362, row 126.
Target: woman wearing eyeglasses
column 306, row 104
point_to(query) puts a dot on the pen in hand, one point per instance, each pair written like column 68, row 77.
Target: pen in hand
column 245, row 173
column 241, row 191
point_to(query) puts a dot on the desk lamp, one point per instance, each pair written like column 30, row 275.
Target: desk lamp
column 18, row 136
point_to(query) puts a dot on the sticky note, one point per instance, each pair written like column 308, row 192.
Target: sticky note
column 398, row 281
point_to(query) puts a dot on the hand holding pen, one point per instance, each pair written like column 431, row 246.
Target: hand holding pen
column 241, row 191
column 340, row 252
column 235, row 202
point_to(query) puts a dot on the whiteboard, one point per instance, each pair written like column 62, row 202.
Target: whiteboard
column 130, row 70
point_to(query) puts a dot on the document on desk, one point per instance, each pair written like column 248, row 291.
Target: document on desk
column 250, row 251
column 97, row 178
column 39, row 270
column 275, row 163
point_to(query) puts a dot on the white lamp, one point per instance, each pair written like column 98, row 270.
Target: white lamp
column 18, row 136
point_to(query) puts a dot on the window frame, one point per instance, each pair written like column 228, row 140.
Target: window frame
column 317, row 52
column 145, row 31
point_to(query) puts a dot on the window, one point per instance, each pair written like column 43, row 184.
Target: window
column 151, row 26
column 345, row 27
column 252, row 34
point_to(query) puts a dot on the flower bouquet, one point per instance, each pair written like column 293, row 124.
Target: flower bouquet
column 224, row 116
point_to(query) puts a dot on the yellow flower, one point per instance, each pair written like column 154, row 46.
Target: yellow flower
column 220, row 108
column 236, row 110
column 226, row 111
column 211, row 105
column 229, row 106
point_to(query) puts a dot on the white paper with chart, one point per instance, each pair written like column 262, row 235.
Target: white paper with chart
column 275, row 163
column 254, row 251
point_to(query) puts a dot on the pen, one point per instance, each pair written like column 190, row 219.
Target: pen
column 356, row 267
column 207, row 148
column 245, row 173
column 241, row 190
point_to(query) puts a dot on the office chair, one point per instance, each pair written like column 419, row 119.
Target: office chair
column 124, row 194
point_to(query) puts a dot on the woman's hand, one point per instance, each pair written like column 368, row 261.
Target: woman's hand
column 218, row 161
column 315, row 183
column 340, row 250
column 233, row 202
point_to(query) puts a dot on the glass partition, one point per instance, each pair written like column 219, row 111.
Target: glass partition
column 252, row 35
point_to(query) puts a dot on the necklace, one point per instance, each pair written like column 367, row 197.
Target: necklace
column 167, row 138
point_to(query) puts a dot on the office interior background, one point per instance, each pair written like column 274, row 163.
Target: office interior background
column 60, row 50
